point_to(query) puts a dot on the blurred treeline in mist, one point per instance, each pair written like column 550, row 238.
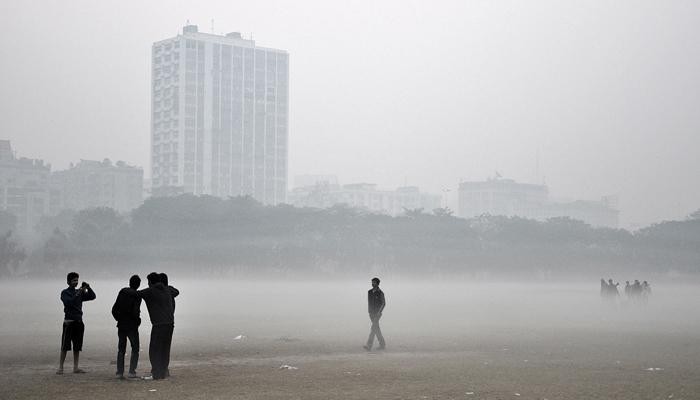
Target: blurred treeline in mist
column 207, row 236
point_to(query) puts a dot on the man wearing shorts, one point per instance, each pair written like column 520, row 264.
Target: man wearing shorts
column 73, row 327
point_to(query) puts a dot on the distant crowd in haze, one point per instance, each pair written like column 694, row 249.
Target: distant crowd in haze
column 636, row 292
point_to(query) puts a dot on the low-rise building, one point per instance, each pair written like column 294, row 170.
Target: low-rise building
column 99, row 184
column 509, row 198
column 24, row 189
column 365, row 196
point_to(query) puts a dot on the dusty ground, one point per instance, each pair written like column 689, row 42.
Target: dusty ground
column 470, row 342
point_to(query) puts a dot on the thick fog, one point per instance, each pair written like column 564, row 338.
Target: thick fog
column 423, row 93
column 238, row 318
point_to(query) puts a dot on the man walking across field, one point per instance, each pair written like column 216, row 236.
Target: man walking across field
column 375, row 306
column 159, row 301
column 127, row 312
column 73, row 327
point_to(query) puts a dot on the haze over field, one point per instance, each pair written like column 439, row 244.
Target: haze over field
column 396, row 92
column 444, row 339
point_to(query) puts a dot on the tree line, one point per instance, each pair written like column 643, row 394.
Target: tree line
column 241, row 237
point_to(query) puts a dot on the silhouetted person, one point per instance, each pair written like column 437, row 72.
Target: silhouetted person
column 159, row 302
column 604, row 292
column 127, row 312
column 73, row 327
column 612, row 287
column 646, row 291
column 375, row 305
column 173, row 293
column 628, row 289
column 637, row 288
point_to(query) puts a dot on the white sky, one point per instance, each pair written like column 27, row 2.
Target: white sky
column 395, row 92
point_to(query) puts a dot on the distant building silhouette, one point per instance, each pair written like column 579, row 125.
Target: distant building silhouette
column 99, row 184
column 365, row 196
column 219, row 117
column 24, row 189
column 506, row 197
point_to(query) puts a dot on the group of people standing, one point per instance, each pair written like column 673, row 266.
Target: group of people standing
column 160, row 301
column 636, row 292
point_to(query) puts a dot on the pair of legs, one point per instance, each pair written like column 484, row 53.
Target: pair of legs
column 71, row 339
column 133, row 335
column 375, row 331
column 159, row 350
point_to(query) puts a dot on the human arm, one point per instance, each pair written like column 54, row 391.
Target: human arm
column 87, row 294
column 173, row 292
column 115, row 308
column 382, row 301
column 136, row 311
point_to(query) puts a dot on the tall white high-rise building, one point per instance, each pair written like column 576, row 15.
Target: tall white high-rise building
column 219, row 123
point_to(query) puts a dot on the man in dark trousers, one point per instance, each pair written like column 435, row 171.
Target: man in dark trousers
column 375, row 305
column 159, row 301
column 173, row 292
column 73, row 327
column 127, row 312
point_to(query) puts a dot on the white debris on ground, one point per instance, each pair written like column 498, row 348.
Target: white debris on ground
column 654, row 369
column 240, row 337
column 469, row 393
column 289, row 367
column 152, row 390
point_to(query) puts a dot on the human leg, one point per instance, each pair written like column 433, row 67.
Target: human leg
column 121, row 351
column 135, row 347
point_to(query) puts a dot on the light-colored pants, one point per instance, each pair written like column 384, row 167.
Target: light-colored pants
column 375, row 331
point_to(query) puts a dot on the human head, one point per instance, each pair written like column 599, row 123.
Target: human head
column 153, row 278
column 375, row 282
column 72, row 279
column 610, row 281
column 134, row 282
column 163, row 278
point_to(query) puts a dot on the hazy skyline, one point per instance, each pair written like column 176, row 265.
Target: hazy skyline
column 395, row 92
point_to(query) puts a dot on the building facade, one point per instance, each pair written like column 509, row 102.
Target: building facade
column 24, row 189
column 219, row 117
column 364, row 196
column 98, row 184
column 509, row 198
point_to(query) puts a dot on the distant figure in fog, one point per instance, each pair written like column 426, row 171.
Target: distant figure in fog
column 73, row 327
column 628, row 289
column 603, row 288
column 375, row 305
column 636, row 288
column 127, row 312
column 159, row 301
column 612, row 288
column 646, row 291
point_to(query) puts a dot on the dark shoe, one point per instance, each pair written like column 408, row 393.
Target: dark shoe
column 380, row 348
column 367, row 348
column 132, row 375
column 120, row 376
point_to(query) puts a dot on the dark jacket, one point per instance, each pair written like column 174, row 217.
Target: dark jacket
column 73, row 299
column 375, row 301
column 127, row 308
column 160, row 304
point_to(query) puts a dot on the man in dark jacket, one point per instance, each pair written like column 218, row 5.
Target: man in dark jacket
column 375, row 306
column 159, row 301
column 73, row 327
column 168, row 343
column 127, row 312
